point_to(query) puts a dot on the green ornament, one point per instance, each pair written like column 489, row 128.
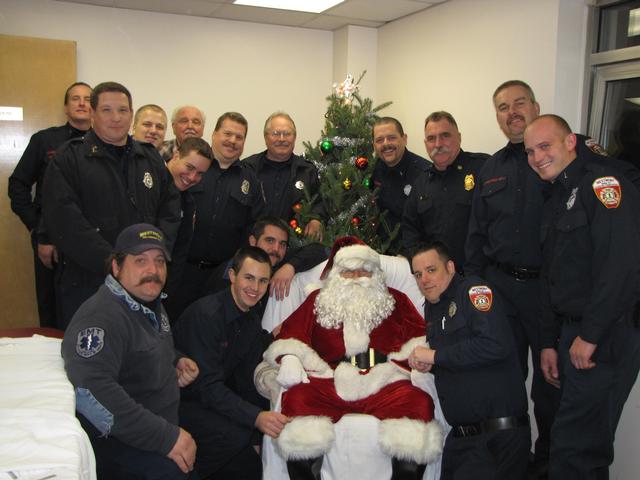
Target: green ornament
column 367, row 182
column 326, row 146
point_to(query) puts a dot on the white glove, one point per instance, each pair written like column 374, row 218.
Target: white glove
column 291, row 372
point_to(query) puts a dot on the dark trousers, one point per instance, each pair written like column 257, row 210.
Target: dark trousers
column 74, row 286
column 117, row 461
column 45, row 279
column 524, row 312
column 501, row 455
column 591, row 404
column 225, row 448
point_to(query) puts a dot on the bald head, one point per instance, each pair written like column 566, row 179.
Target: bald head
column 550, row 146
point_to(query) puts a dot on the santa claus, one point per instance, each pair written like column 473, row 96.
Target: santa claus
column 344, row 351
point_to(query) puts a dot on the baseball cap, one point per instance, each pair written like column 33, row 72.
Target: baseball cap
column 141, row 237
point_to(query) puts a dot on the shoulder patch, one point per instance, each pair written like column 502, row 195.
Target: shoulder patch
column 481, row 297
column 595, row 147
column 608, row 191
column 90, row 341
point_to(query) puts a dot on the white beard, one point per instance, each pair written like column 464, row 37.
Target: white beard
column 360, row 304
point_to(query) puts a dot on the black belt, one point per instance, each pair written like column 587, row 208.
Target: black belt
column 203, row 264
column 491, row 425
column 366, row 360
column 520, row 273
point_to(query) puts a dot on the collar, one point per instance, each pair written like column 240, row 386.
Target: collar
column 452, row 166
column 450, row 292
column 76, row 131
column 118, row 290
column 570, row 176
column 232, row 312
column 98, row 148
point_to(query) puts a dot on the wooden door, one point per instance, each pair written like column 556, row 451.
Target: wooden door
column 34, row 74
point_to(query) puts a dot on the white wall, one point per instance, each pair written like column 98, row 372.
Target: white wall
column 453, row 56
column 170, row 60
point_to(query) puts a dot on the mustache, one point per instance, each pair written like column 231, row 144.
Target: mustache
column 516, row 117
column 150, row 279
column 438, row 150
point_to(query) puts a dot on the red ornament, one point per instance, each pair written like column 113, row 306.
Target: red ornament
column 296, row 208
column 355, row 221
column 362, row 162
column 293, row 223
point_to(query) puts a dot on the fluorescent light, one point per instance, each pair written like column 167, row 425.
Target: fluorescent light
column 634, row 100
column 313, row 6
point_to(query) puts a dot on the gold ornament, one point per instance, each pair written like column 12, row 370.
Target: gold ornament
column 347, row 184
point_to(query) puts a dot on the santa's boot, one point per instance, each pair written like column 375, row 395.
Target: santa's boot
column 308, row 469
column 406, row 469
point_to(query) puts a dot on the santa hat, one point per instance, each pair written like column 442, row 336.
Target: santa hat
column 337, row 245
column 355, row 257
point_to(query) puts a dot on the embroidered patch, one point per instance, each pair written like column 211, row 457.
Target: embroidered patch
column 147, row 180
column 299, row 185
column 453, row 308
column 469, row 182
column 572, row 198
column 481, row 296
column 90, row 341
column 595, row 147
column 608, row 191
column 244, row 188
column 407, row 190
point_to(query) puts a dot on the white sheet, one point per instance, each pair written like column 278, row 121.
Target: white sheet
column 39, row 433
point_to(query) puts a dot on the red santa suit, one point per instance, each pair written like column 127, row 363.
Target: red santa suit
column 336, row 387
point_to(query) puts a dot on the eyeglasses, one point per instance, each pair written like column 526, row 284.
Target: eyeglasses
column 281, row 133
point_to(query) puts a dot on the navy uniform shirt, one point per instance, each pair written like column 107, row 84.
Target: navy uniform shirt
column 476, row 369
column 227, row 344
column 284, row 184
column 506, row 214
column 439, row 205
column 30, row 169
column 228, row 202
column 395, row 184
column 591, row 255
column 93, row 190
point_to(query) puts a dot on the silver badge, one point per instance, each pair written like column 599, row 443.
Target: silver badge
column 90, row 341
column 244, row 188
column 407, row 190
column 453, row 308
column 147, row 180
column 299, row 185
column 572, row 198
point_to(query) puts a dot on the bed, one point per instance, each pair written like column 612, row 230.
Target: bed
column 40, row 437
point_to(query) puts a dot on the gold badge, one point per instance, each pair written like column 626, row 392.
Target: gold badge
column 453, row 308
column 245, row 187
column 94, row 149
column 147, row 180
column 469, row 182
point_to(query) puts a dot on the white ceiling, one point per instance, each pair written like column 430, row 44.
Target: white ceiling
column 365, row 13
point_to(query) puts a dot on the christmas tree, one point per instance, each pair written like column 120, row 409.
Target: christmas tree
column 345, row 162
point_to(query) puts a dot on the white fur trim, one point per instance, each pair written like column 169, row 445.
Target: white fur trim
column 355, row 340
column 306, row 437
column 313, row 364
column 351, row 385
column 356, row 256
column 409, row 439
column 407, row 348
column 264, row 378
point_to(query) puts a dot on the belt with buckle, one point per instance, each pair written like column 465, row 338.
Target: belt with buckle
column 366, row 360
column 203, row 264
column 520, row 273
column 491, row 425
